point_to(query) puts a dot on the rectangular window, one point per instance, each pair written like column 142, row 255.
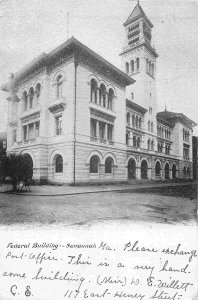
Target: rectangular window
column 59, row 125
column 186, row 152
column 25, row 133
column 93, row 128
column 31, row 131
column 110, row 132
column 37, row 127
column 102, row 130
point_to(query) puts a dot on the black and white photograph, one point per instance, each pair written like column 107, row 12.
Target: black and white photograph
column 98, row 149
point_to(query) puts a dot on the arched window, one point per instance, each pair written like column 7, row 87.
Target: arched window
column 25, row 101
column 127, row 67
column 157, row 169
column 58, row 164
column 128, row 118
column 28, row 172
column 132, row 66
column 109, row 165
column 149, row 145
column 110, row 99
column 134, row 141
column 131, row 169
column 94, row 164
column 160, row 131
column 127, row 138
column 152, row 145
column 31, row 97
column 140, row 122
column 166, row 171
column 102, row 95
column 136, row 121
column 144, row 169
column 133, row 119
column 38, row 92
column 149, row 125
column 137, row 63
column 149, row 67
column 188, row 171
column 93, row 91
column 174, row 171
column 59, row 86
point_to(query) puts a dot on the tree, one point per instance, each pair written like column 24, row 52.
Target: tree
column 17, row 167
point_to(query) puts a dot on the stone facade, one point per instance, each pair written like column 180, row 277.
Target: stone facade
column 81, row 119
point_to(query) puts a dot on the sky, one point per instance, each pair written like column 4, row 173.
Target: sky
column 30, row 27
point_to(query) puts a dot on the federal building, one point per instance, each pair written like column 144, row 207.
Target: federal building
column 78, row 118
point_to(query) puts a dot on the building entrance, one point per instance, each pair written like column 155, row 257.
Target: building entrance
column 131, row 169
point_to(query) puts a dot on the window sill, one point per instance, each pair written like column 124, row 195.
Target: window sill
column 102, row 141
column 106, row 109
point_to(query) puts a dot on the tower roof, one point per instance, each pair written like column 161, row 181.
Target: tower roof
column 136, row 14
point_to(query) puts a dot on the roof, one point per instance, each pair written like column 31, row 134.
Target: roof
column 136, row 14
column 81, row 52
column 172, row 117
column 135, row 106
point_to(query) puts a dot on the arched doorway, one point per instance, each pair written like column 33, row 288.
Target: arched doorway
column 166, row 171
column 144, row 169
column 109, row 165
column 157, row 170
column 131, row 169
column 28, row 162
column 174, row 170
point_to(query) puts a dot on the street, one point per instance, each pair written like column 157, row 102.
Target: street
column 89, row 209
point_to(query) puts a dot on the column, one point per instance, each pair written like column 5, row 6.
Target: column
column 131, row 138
column 28, row 102
column 34, row 130
column 105, row 137
column 149, row 171
column 98, row 94
column 170, row 173
column 138, row 169
column 97, row 129
column 163, row 171
column 27, row 133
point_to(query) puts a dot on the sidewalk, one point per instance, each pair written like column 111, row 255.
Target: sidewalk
column 52, row 190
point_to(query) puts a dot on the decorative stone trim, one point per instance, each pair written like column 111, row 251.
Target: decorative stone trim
column 102, row 115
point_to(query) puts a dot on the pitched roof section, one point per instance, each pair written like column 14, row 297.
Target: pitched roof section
column 82, row 53
column 136, row 14
column 172, row 117
column 134, row 106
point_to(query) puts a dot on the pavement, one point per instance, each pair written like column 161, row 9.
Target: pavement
column 53, row 190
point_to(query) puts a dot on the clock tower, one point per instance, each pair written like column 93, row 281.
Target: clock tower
column 139, row 62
